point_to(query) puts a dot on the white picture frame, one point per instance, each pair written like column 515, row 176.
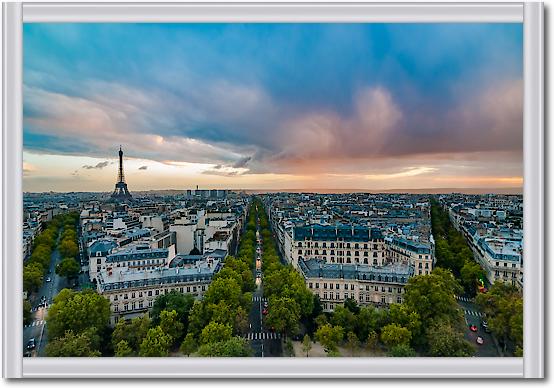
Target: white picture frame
column 530, row 366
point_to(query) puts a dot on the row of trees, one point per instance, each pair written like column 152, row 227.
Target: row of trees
column 452, row 251
column 43, row 246
column 503, row 304
column 68, row 247
column 36, row 267
column 78, row 325
column 290, row 301
column 429, row 322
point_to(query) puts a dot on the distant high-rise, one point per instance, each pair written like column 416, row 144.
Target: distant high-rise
column 121, row 193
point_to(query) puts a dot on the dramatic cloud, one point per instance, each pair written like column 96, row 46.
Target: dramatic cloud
column 98, row 166
column 240, row 100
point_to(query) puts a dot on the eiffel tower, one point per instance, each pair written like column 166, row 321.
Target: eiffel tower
column 121, row 193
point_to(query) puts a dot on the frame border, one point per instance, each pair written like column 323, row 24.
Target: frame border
column 531, row 366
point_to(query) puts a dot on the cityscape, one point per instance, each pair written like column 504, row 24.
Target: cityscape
column 273, row 190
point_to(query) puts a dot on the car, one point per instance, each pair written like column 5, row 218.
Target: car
column 266, row 303
column 28, row 354
column 31, row 344
column 479, row 341
column 265, row 311
column 473, row 328
column 48, row 280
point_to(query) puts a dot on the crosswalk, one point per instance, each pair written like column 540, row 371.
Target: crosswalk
column 474, row 313
column 465, row 299
column 36, row 323
column 258, row 299
column 262, row 336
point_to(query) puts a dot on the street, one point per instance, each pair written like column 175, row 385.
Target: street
column 49, row 289
column 264, row 343
column 473, row 316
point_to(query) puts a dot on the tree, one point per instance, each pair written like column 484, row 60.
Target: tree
column 283, row 315
column 224, row 289
column 26, row 312
column 351, row 305
column 445, row 341
column 307, row 344
column 402, row 350
column 156, row 343
column 68, row 268
column 68, row 248
column 189, row 345
column 72, row 345
column 241, row 321
column 329, row 336
column 215, row 332
column 174, row 300
column 171, row 325
column 352, row 342
column 470, row 273
column 77, row 311
column 122, row 349
column 432, row 297
column 233, row 347
column 345, row 318
column 32, row 277
column 372, row 341
column 133, row 332
column 394, row 334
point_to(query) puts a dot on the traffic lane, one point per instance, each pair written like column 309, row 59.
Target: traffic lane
column 36, row 330
column 488, row 348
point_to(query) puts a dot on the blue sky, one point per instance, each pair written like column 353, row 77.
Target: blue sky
column 273, row 105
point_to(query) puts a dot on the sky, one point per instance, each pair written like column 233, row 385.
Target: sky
column 273, row 106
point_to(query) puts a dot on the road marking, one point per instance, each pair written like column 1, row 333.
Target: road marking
column 262, row 336
column 259, row 299
column 36, row 323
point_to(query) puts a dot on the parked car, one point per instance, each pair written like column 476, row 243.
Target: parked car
column 48, row 280
column 473, row 328
column 266, row 303
column 485, row 326
column 479, row 341
column 31, row 344
column 265, row 311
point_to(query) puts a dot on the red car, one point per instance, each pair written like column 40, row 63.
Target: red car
column 473, row 328
column 265, row 311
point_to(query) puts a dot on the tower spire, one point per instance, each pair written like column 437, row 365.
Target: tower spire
column 121, row 192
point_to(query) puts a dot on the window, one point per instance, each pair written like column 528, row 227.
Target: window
column 317, row 285
column 374, row 254
column 375, row 246
column 390, row 289
column 149, row 293
column 310, row 285
column 383, row 300
column 337, row 286
column 352, row 286
column 125, row 296
column 325, row 285
column 398, row 299
column 300, row 251
column 157, row 292
column 420, row 265
column 331, row 286
column 133, row 295
column 116, row 308
column 346, row 295
column 325, row 295
column 346, row 286
column 98, row 261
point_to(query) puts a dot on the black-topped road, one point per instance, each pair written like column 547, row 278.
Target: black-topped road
column 264, row 342
column 52, row 284
column 473, row 316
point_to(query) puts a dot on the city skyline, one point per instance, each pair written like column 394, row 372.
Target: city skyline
column 273, row 107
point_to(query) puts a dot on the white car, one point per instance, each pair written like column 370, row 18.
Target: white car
column 48, row 280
